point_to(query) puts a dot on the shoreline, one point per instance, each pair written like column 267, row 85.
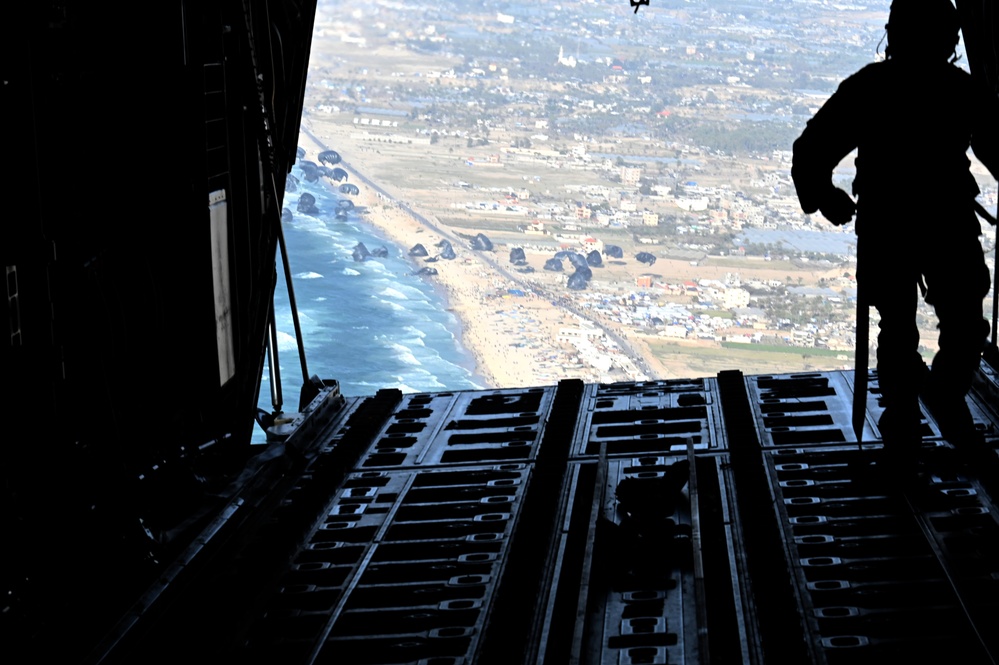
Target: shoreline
column 514, row 335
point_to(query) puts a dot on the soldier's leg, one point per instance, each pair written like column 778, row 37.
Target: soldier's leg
column 957, row 282
column 891, row 287
column 901, row 370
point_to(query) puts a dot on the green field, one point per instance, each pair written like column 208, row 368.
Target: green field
column 750, row 359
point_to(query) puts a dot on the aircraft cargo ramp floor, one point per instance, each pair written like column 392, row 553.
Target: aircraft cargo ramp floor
column 732, row 519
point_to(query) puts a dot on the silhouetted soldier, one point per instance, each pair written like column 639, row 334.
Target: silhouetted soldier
column 911, row 118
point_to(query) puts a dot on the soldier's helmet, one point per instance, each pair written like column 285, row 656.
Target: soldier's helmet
column 922, row 29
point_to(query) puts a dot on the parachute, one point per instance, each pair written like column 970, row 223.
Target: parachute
column 290, row 183
column 426, row 270
column 418, row 250
column 349, row 188
column 286, row 216
column 380, row 252
column 577, row 282
column 645, row 257
column 585, row 272
column 482, row 243
column 307, row 204
column 338, row 174
column 593, row 258
column 614, row 251
column 555, row 265
column 578, row 261
column 447, row 251
column 301, row 152
column 330, row 157
column 345, row 204
column 360, row 252
column 310, row 171
column 517, row 256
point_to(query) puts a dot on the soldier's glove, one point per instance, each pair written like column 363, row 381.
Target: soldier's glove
column 838, row 207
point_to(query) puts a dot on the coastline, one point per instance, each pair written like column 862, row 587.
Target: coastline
column 514, row 336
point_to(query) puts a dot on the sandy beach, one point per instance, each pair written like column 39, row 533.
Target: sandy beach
column 512, row 332
column 529, row 329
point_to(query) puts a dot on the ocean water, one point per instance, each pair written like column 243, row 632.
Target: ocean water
column 369, row 324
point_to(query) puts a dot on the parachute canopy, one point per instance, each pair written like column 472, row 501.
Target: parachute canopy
column 577, row 282
column 307, row 204
column 349, row 188
column 418, row 250
column 290, row 183
column 338, row 174
column 614, row 251
column 360, row 252
column 555, row 265
column 517, row 256
column 330, row 157
column 310, row 171
column 447, row 251
column 577, row 260
column 593, row 259
column 645, row 257
column 482, row 243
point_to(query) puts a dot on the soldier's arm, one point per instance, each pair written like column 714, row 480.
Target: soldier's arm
column 985, row 136
column 828, row 137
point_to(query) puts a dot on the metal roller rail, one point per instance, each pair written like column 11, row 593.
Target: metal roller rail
column 731, row 519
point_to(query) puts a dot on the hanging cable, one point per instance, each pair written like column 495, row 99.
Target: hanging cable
column 271, row 207
column 273, row 363
column 291, row 290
